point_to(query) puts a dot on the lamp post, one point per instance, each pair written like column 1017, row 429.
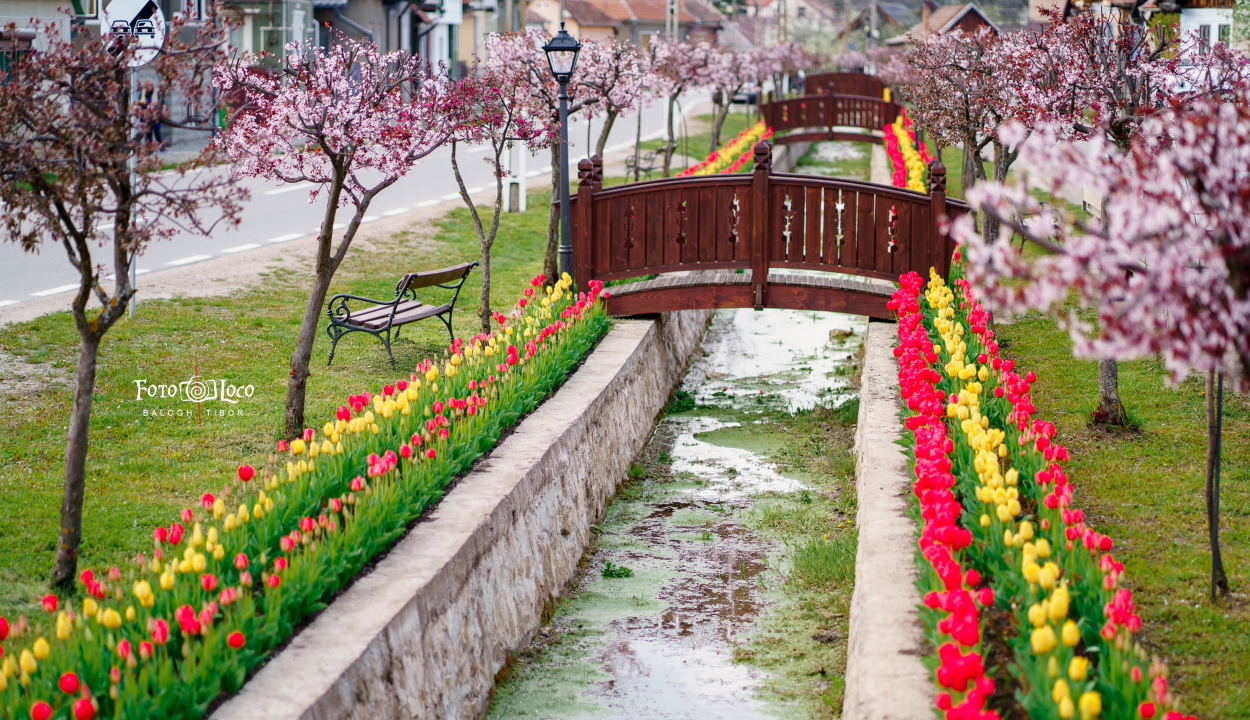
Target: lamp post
column 562, row 52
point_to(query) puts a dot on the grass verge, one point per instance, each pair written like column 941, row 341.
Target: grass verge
column 1145, row 488
column 143, row 467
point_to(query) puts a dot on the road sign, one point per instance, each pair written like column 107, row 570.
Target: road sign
column 140, row 20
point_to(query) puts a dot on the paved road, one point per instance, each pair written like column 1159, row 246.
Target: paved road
column 281, row 213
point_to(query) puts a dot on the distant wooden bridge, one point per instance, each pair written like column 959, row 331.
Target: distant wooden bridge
column 758, row 240
column 837, row 106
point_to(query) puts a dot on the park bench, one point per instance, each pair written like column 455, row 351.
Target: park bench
column 383, row 318
column 647, row 163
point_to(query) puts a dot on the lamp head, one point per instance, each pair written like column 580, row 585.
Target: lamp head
column 562, row 52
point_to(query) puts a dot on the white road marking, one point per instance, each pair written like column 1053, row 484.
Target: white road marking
column 453, row 196
column 427, row 203
column 396, row 211
column 188, row 260
column 476, row 190
column 368, row 218
column 105, row 227
column 290, row 188
column 56, row 290
column 284, row 238
column 241, row 248
column 339, row 226
column 6, row 303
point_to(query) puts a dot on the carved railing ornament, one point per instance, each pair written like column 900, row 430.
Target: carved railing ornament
column 629, row 228
column 735, row 211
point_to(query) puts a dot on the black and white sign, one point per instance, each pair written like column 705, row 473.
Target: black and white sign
column 141, row 21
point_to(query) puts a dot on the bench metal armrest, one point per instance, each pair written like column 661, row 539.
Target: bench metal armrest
column 338, row 310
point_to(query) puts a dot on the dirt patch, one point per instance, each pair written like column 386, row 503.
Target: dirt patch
column 19, row 378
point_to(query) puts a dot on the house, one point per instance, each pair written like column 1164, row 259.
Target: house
column 583, row 19
column 639, row 21
column 21, row 13
column 966, row 17
column 814, row 23
column 893, row 19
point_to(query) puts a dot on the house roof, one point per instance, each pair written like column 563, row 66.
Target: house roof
column 585, row 13
column 689, row 11
column 942, row 20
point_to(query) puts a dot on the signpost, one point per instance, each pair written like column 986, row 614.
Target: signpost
column 142, row 23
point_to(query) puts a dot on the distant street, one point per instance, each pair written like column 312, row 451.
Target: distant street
column 278, row 214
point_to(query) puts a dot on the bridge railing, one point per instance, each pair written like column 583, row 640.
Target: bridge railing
column 844, row 83
column 756, row 222
column 819, row 115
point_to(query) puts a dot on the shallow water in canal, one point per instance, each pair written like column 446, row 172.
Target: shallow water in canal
column 660, row 643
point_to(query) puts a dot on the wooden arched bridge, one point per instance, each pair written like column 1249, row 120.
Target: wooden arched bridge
column 757, row 240
column 836, row 106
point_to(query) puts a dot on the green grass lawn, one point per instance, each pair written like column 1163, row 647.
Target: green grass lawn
column 141, row 470
column 695, row 144
column 1146, row 489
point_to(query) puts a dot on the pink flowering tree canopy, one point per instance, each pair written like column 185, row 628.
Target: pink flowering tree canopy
column 352, row 121
column 1167, row 270
column 618, row 73
column 727, row 73
column 679, row 67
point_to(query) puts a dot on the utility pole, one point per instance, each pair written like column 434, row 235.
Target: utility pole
column 873, row 32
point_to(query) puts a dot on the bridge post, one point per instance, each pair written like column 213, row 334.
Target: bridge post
column 938, row 242
column 596, row 173
column 759, row 221
column 582, row 237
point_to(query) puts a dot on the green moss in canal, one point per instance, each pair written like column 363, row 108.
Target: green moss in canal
column 801, row 641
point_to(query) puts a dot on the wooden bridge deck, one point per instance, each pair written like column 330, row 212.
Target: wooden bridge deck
column 728, row 288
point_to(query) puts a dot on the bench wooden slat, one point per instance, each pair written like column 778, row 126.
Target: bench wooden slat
column 416, row 281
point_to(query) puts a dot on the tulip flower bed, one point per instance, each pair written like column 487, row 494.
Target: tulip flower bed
column 231, row 579
column 908, row 163
column 733, row 155
column 1022, row 598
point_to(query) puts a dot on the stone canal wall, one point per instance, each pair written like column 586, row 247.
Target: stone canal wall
column 424, row 634
column 885, row 679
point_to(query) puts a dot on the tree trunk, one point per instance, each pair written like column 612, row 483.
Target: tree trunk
column 672, row 137
column 297, row 383
column 718, row 119
column 638, row 145
column 1110, row 409
column 607, row 128
column 1215, row 403
column 551, row 267
column 65, row 565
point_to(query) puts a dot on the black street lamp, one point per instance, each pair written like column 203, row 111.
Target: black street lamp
column 562, row 52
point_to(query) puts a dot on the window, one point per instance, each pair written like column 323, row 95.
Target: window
column 1204, row 38
column 802, row 11
column 1224, row 34
column 13, row 45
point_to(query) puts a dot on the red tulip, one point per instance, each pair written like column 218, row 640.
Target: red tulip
column 285, row 544
column 335, row 505
column 69, row 683
column 206, row 501
column 438, row 406
column 430, row 453
column 160, row 534
column 235, row 640
column 86, row 576
column 49, row 602
column 308, row 434
column 405, row 451
column 402, row 385
column 388, row 390
column 245, row 578
column 281, row 446
column 322, row 520
column 273, row 581
column 115, row 675
column 40, row 711
column 246, row 473
column 160, row 631
column 84, row 709
column 175, row 533
column 145, row 649
column 307, row 525
column 343, row 413
column 208, row 581
column 1146, row 710
column 123, row 649
column 4, row 629
column 357, row 483
column 279, row 564
column 187, row 515
column 240, row 561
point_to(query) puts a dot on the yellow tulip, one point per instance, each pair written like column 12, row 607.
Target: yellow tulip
column 1037, row 614
column 219, row 552
column 130, row 613
column 1046, row 577
column 1091, row 705
column 1060, row 691
column 167, row 580
column 1026, row 530
column 1059, row 600
column 4, row 683
column 28, row 664
column 1043, row 548
column 1078, row 668
column 1071, row 634
column 198, row 563
column 63, row 626
column 90, row 607
column 1066, row 709
column 112, row 619
column 231, row 522
column 297, row 447
column 985, row 520
column 1052, row 667
column 327, row 448
column 41, row 649
column 258, row 512
column 1042, row 640
column 243, row 516
column 327, row 429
